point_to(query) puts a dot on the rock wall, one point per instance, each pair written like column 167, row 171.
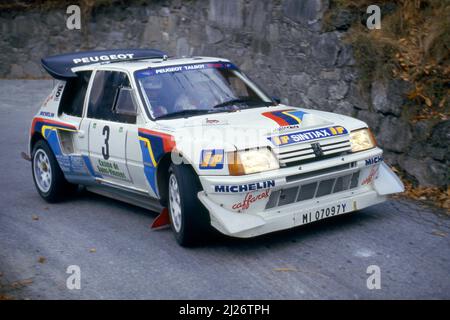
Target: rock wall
column 279, row 43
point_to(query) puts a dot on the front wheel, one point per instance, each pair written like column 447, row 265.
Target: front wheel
column 47, row 175
column 188, row 217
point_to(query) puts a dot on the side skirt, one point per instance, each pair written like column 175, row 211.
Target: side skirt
column 131, row 197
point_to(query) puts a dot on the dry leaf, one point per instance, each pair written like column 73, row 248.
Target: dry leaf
column 284, row 269
column 92, row 250
column 439, row 233
column 21, row 283
column 35, row 217
column 42, row 259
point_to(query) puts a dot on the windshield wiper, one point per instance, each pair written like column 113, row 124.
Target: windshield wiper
column 182, row 113
column 231, row 102
column 236, row 101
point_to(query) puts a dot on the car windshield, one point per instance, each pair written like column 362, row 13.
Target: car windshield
column 194, row 89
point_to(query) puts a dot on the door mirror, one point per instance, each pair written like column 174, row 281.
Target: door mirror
column 125, row 103
column 277, row 100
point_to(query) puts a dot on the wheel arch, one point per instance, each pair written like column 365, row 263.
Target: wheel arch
column 35, row 137
column 162, row 175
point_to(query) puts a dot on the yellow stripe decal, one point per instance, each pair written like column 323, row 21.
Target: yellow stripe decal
column 150, row 151
column 45, row 128
column 292, row 116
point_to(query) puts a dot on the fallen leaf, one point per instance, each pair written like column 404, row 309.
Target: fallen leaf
column 439, row 233
column 21, row 283
column 284, row 269
column 42, row 259
column 35, row 217
column 92, row 250
column 26, row 282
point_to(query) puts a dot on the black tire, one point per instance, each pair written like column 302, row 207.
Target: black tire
column 195, row 221
column 59, row 188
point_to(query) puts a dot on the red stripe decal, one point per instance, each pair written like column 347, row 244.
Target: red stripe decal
column 168, row 140
column 48, row 121
column 278, row 120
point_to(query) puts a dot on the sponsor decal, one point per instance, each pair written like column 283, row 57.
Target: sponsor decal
column 69, row 164
column 372, row 176
column 209, row 122
column 47, row 100
column 374, row 160
column 286, row 128
column 109, row 57
column 58, row 92
column 250, row 199
column 307, row 135
column 245, row 187
column 211, row 159
column 285, row 117
column 154, row 145
column 186, row 67
column 47, row 114
column 110, row 169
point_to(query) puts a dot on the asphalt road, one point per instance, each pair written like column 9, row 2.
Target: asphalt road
column 121, row 257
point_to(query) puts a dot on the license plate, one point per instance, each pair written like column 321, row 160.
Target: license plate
column 325, row 212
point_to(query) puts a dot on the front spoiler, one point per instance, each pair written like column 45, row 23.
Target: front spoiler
column 245, row 225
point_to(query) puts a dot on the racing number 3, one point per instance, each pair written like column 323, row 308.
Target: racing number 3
column 105, row 149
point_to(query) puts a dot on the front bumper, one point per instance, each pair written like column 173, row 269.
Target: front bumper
column 252, row 205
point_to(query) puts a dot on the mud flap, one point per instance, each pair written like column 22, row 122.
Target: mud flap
column 25, row 156
column 161, row 220
column 387, row 181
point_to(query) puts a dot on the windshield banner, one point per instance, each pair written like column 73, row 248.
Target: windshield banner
column 185, row 67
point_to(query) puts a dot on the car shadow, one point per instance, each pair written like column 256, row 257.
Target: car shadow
column 342, row 223
column 85, row 195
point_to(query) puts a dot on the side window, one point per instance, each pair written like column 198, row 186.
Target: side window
column 107, row 94
column 125, row 105
column 72, row 99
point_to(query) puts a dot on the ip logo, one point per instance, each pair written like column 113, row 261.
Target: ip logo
column 211, row 159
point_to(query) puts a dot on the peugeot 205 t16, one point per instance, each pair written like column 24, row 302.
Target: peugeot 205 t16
column 196, row 140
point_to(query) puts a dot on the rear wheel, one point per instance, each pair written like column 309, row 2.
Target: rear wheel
column 47, row 175
column 188, row 217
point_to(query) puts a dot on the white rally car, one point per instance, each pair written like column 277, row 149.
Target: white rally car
column 195, row 139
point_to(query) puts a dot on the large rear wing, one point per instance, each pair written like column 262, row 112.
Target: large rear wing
column 60, row 66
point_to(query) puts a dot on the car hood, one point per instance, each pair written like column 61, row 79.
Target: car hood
column 251, row 127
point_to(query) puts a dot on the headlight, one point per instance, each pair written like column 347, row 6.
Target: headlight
column 362, row 139
column 251, row 161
